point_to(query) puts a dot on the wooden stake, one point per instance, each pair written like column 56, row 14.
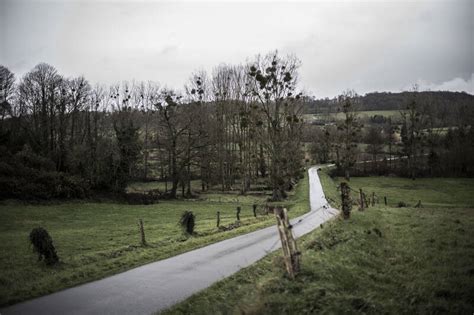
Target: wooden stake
column 385, row 199
column 346, row 201
column 218, row 218
column 254, row 210
column 292, row 242
column 142, row 232
column 366, row 200
column 289, row 248
column 361, row 200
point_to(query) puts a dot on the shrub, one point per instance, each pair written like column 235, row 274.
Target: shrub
column 149, row 198
column 43, row 246
column 187, row 222
column 30, row 159
column 27, row 176
column 402, row 204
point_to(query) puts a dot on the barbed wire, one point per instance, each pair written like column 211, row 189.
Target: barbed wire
column 357, row 192
column 338, row 187
column 325, row 209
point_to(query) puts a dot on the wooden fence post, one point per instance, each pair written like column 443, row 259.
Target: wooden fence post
column 346, row 201
column 361, row 200
column 366, row 200
column 288, row 243
column 373, row 199
column 218, row 218
column 254, row 210
column 142, row 232
column 385, row 199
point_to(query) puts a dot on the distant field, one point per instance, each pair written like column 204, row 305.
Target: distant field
column 338, row 116
column 385, row 260
column 433, row 193
column 99, row 239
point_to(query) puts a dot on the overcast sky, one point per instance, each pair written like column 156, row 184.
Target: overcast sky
column 362, row 45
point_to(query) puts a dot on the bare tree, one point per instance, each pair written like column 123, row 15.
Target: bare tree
column 390, row 133
column 7, row 85
column 78, row 90
column 172, row 134
column 38, row 94
column 198, row 90
column 374, row 140
column 273, row 87
column 126, row 132
column 413, row 123
column 146, row 95
column 349, row 130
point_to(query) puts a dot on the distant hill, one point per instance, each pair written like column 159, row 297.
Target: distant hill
column 396, row 101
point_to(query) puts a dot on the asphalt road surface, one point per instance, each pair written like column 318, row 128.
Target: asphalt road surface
column 159, row 285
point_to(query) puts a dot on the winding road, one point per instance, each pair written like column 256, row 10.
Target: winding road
column 159, row 285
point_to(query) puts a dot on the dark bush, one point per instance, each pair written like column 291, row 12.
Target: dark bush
column 32, row 160
column 149, row 198
column 43, row 246
column 28, row 176
column 187, row 222
column 402, row 204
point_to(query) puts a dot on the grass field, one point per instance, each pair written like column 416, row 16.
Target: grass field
column 385, row 260
column 439, row 192
column 94, row 240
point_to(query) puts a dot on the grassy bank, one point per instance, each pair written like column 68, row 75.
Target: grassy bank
column 95, row 240
column 383, row 260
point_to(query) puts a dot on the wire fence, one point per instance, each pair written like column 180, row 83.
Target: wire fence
column 324, row 209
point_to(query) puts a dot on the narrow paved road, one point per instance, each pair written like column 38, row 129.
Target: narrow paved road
column 159, row 285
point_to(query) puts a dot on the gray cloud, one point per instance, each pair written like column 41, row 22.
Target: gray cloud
column 365, row 45
column 456, row 84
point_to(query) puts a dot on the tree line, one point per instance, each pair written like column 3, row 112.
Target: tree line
column 64, row 138
column 428, row 137
column 446, row 102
